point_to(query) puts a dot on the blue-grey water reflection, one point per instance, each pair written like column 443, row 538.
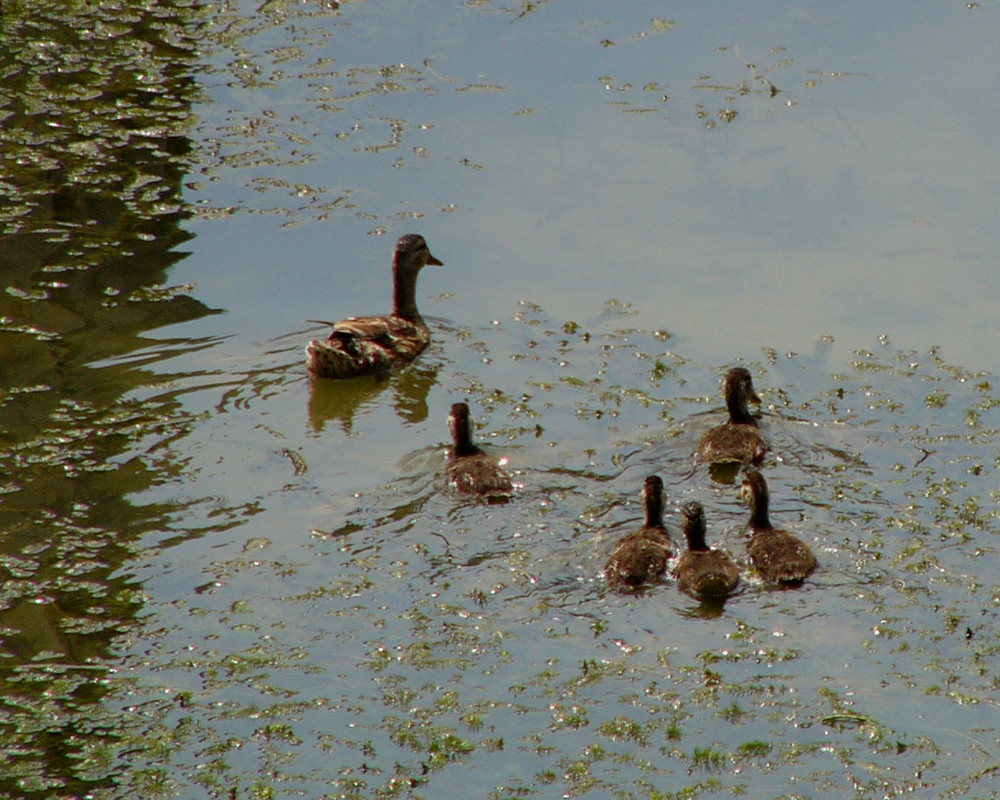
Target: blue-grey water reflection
column 850, row 200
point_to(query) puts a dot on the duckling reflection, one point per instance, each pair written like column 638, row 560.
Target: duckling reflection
column 470, row 470
column 777, row 555
column 641, row 556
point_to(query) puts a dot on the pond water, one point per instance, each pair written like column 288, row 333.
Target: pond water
column 222, row 579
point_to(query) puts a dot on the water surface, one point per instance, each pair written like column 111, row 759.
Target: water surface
column 223, row 580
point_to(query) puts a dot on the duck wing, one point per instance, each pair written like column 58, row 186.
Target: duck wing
column 733, row 442
column 478, row 473
column 365, row 345
column 637, row 559
column 403, row 337
column 780, row 557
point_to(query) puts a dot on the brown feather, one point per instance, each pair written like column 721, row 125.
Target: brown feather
column 780, row 557
column 738, row 440
column 777, row 555
column 367, row 345
column 702, row 572
column 478, row 474
column 641, row 556
column 470, row 470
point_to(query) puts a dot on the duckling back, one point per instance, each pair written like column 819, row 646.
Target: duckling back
column 777, row 555
column 641, row 557
column 739, row 439
column 638, row 558
column 708, row 573
column 479, row 474
column 470, row 469
column 733, row 442
column 702, row 572
column 780, row 557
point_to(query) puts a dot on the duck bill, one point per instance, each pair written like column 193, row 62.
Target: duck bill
column 434, row 262
column 754, row 398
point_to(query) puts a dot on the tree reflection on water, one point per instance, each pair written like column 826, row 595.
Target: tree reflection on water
column 95, row 103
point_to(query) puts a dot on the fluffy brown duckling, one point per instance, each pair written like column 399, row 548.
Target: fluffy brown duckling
column 368, row 345
column 777, row 555
column 641, row 556
column 703, row 572
column 738, row 440
column 470, row 469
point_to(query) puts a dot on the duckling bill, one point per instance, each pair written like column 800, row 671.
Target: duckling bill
column 641, row 556
column 739, row 440
column 470, row 470
column 777, row 555
column 369, row 345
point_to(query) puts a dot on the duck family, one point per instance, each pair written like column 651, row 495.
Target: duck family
column 776, row 557
column 377, row 344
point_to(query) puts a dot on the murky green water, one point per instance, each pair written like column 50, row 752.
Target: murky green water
column 221, row 580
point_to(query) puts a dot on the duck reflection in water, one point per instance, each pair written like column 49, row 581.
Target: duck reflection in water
column 341, row 401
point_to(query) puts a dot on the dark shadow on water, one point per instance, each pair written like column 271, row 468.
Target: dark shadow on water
column 93, row 151
column 725, row 472
column 341, row 401
column 707, row 608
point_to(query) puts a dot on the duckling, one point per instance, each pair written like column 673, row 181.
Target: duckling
column 778, row 556
column 702, row 572
column 368, row 345
column 469, row 469
column 641, row 556
column 740, row 439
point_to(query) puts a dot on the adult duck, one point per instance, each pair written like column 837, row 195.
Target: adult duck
column 368, row 345
column 738, row 440
column 702, row 572
column 777, row 555
column 470, row 470
column 641, row 556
